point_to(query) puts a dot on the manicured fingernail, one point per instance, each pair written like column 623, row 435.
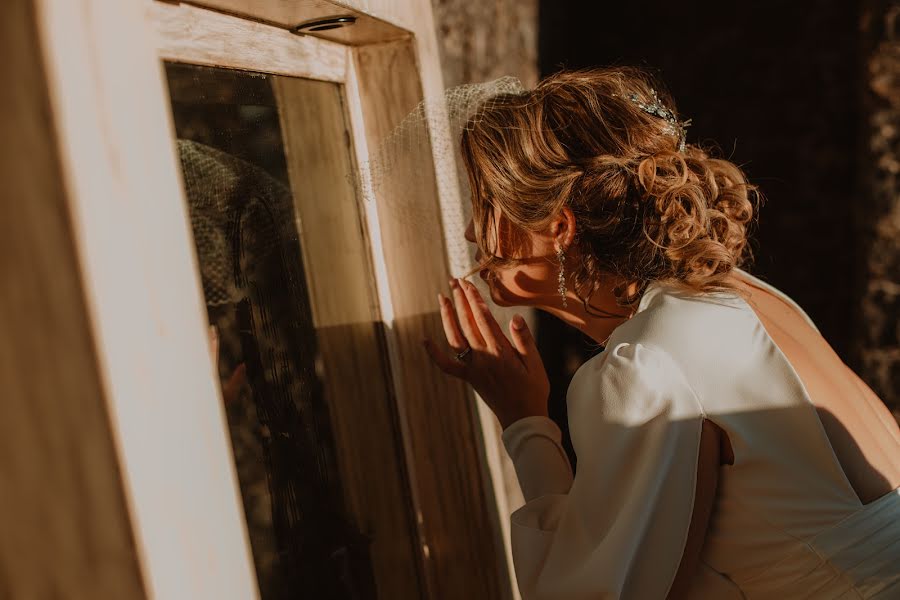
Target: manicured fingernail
column 518, row 322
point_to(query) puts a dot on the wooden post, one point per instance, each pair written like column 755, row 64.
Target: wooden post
column 63, row 510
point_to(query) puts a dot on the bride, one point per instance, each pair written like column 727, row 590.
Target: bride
column 724, row 449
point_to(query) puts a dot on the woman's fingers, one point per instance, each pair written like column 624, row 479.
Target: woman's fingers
column 451, row 325
column 448, row 365
column 465, row 317
column 487, row 324
column 524, row 343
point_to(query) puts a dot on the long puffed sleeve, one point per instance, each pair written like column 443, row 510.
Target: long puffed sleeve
column 618, row 528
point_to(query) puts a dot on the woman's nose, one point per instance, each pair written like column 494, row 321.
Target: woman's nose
column 470, row 231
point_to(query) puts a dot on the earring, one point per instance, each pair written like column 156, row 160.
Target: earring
column 561, row 256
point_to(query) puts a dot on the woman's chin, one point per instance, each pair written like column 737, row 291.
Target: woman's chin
column 499, row 301
column 497, row 295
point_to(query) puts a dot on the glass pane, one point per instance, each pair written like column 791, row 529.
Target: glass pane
column 251, row 265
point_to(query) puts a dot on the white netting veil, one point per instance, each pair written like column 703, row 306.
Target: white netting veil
column 425, row 144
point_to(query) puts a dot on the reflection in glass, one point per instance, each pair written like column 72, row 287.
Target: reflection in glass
column 251, row 266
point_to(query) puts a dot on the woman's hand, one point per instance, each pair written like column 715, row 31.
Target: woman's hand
column 508, row 375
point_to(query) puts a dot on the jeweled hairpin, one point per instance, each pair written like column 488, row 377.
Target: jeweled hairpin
column 656, row 108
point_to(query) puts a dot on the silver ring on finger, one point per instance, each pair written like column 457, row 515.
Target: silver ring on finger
column 461, row 356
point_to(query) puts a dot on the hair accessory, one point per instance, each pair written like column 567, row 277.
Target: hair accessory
column 561, row 256
column 656, row 108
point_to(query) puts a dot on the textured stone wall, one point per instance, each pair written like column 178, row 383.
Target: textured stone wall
column 876, row 335
column 484, row 40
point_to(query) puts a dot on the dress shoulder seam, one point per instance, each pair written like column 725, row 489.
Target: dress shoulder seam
column 682, row 374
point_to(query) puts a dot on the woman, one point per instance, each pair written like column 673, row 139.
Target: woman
column 724, row 450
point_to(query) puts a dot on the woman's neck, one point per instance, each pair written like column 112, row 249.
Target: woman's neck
column 597, row 323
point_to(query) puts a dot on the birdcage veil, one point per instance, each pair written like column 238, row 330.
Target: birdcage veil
column 425, row 144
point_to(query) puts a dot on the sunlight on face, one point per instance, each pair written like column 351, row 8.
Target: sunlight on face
column 533, row 282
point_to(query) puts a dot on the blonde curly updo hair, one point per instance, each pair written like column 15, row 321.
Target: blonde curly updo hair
column 644, row 209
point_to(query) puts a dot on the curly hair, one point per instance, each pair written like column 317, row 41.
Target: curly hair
column 644, row 209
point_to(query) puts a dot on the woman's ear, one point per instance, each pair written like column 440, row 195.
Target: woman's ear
column 563, row 228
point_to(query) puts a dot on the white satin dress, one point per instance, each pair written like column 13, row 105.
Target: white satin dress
column 786, row 525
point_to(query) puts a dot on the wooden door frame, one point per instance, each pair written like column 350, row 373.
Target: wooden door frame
column 144, row 308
